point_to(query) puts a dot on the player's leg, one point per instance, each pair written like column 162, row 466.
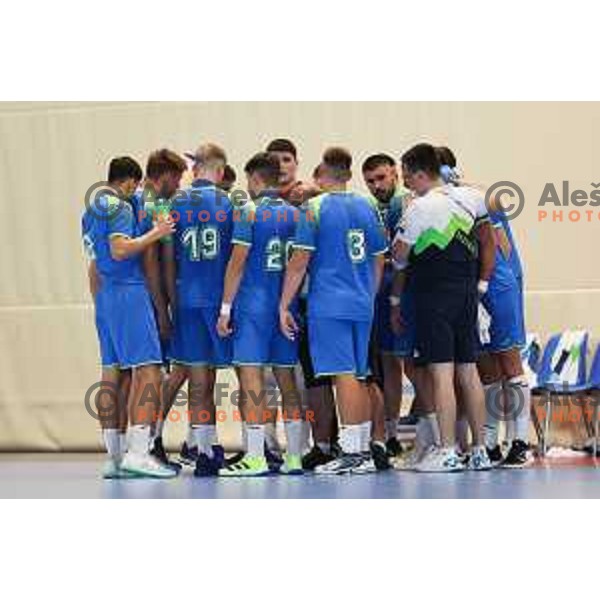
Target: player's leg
column 254, row 397
column 318, row 400
column 334, row 348
column 392, row 392
column 135, row 338
column 491, row 379
column 292, row 418
column 518, row 400
column 435, row 348
column 107, row 409
column 466, row 348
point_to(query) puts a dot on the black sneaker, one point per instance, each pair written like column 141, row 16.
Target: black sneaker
column 517, row 456
column 394, row 447
column 315, row 458
column 495, row 455
column 408, row 421
column 188, row 455
column 380, row 456
column 159, row 452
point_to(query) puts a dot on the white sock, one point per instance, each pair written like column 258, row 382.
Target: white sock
column 244, row 436
column 391, row 429
column 306, row 431
column 424, row 437
column 350, row 438
column 190, row 439
column 112, row 442
column 365, row 436
column 138, row 441
column 122, row 442
column 214, row 438
column 509, row 434
column 203, row 438
column 520, row 407
column 490, row 428
column 434, row 426
column 293, row 434
column 256, row 440
column 271, row 437
column 462, row 434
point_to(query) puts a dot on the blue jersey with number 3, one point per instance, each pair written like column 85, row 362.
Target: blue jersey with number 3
column 344, row 233
column 202, row 243
column 268, row 229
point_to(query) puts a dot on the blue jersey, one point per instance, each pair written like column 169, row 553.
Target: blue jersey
column 514, row 259
column 202, row 243
column 344, row 233
column 503, row 276
column 391, row 212
column 268, row 228
column 107, row 217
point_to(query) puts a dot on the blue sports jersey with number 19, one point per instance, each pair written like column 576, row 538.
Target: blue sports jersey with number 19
column 343, row 232
column 203, row 229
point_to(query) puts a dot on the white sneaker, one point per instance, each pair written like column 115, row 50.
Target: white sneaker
column 144, row 465
column 440, row 460
column 479, row 460
column 367, row 466
column 345, row 463
column 111, row 468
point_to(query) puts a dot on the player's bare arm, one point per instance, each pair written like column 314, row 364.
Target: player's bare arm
column 122, row 246
column 233, row 278
column 294, row 276
column 487, row 251
column 93, row 278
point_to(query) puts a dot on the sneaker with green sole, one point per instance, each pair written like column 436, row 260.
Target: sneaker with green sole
column 249, row 466
column 292, row 465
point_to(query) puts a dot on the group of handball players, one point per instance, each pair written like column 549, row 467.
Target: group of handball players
column 327, row 296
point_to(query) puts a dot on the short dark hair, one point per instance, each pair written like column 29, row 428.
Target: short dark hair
column 422, row 157
column 283, row 145
column 338, row 163
column 164, row 161
column 229, row 174
column 377, row 160
column 446, row 156
column 122, row 168
column 267, row 167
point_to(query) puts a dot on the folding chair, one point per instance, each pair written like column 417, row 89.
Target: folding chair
column 562, row 373
column 594, row 389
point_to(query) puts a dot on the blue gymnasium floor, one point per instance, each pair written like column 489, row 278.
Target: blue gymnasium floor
column 76, row 476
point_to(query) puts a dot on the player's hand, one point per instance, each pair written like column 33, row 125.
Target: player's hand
column 396, row 320
column 224, row 328
column 287, row 323
column 164, row 226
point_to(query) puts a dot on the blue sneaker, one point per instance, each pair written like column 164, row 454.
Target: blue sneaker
column 206, row 467
column 219, row 455
column 273, row 460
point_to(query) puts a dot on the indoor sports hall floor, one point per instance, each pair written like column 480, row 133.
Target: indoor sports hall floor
column 76, row 476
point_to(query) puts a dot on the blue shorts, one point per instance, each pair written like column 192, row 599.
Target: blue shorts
column 258, row 341
column 385, row 339
column 507, row 325
column 339, row 346
column 195, row 341
column 126, row 326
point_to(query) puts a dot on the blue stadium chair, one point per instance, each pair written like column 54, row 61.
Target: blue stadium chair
column 562, row 373
column 594, row 389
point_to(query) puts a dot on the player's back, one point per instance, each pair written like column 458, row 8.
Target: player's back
column 106, row 217
column 503, row 276
column 203, row 228
column 272, row 231
column 348, row 233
